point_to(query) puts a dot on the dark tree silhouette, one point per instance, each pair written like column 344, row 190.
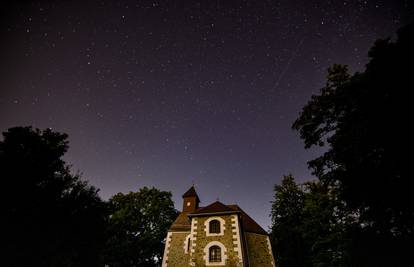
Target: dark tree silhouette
column 50, row 217
column 287, row 208
column 363, row 120
column 307, row 229
column 137, row 227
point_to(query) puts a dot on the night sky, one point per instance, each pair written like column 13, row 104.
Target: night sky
column 170, row 93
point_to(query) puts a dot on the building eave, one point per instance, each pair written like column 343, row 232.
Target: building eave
column 213, row 213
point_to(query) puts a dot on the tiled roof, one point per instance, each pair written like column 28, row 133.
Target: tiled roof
column 216, row 207
column 249, row 225
column 183, row 223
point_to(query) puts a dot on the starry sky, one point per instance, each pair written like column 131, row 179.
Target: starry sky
column 171, row 93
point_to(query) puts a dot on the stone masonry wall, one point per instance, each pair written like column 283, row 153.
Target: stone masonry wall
column 259, row 250
column 229, row 239
column 176, row 256
column 258, row 246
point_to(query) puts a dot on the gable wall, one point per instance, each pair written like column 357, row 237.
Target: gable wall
column 230, row 239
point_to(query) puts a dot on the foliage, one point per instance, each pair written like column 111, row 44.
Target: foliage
column 306, row 227
column 137, row 227
column 287, row 208
column 51, row 217
column 362, row 120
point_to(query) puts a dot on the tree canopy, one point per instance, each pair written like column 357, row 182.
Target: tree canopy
column 286, row 216
column 362, row 120
column 51, row 216
column 137, row 227
column 307, row 228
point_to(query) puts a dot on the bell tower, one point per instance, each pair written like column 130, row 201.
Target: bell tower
column 190, row 200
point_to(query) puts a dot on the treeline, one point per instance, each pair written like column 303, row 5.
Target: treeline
column 51, row 217
column 360, row 211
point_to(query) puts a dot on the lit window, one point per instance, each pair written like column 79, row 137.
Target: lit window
column 214, row 227
column 214, row 254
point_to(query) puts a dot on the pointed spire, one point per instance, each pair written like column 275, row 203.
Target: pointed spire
column 191, row 192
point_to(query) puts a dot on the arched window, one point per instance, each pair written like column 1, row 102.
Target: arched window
column 214, row 254
column 214, row 227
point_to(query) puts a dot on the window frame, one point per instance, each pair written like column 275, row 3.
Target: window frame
column 214, row 227
column 207, row 226
column 214, row 254
column 187, row 244
column 223, row 252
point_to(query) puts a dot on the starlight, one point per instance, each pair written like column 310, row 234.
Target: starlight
column 205, row 89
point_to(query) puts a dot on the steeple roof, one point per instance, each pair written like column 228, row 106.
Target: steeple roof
column 190, row 192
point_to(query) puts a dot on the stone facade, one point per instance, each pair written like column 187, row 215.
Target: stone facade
column 174, row 253
column 239, row 240
column 199, row 257
column 259, row 250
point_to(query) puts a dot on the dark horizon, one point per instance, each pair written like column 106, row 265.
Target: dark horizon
column 171, row 94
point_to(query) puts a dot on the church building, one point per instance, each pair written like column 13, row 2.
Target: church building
column 215, row 235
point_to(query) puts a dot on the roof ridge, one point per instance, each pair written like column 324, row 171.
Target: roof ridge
column 214, row 207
